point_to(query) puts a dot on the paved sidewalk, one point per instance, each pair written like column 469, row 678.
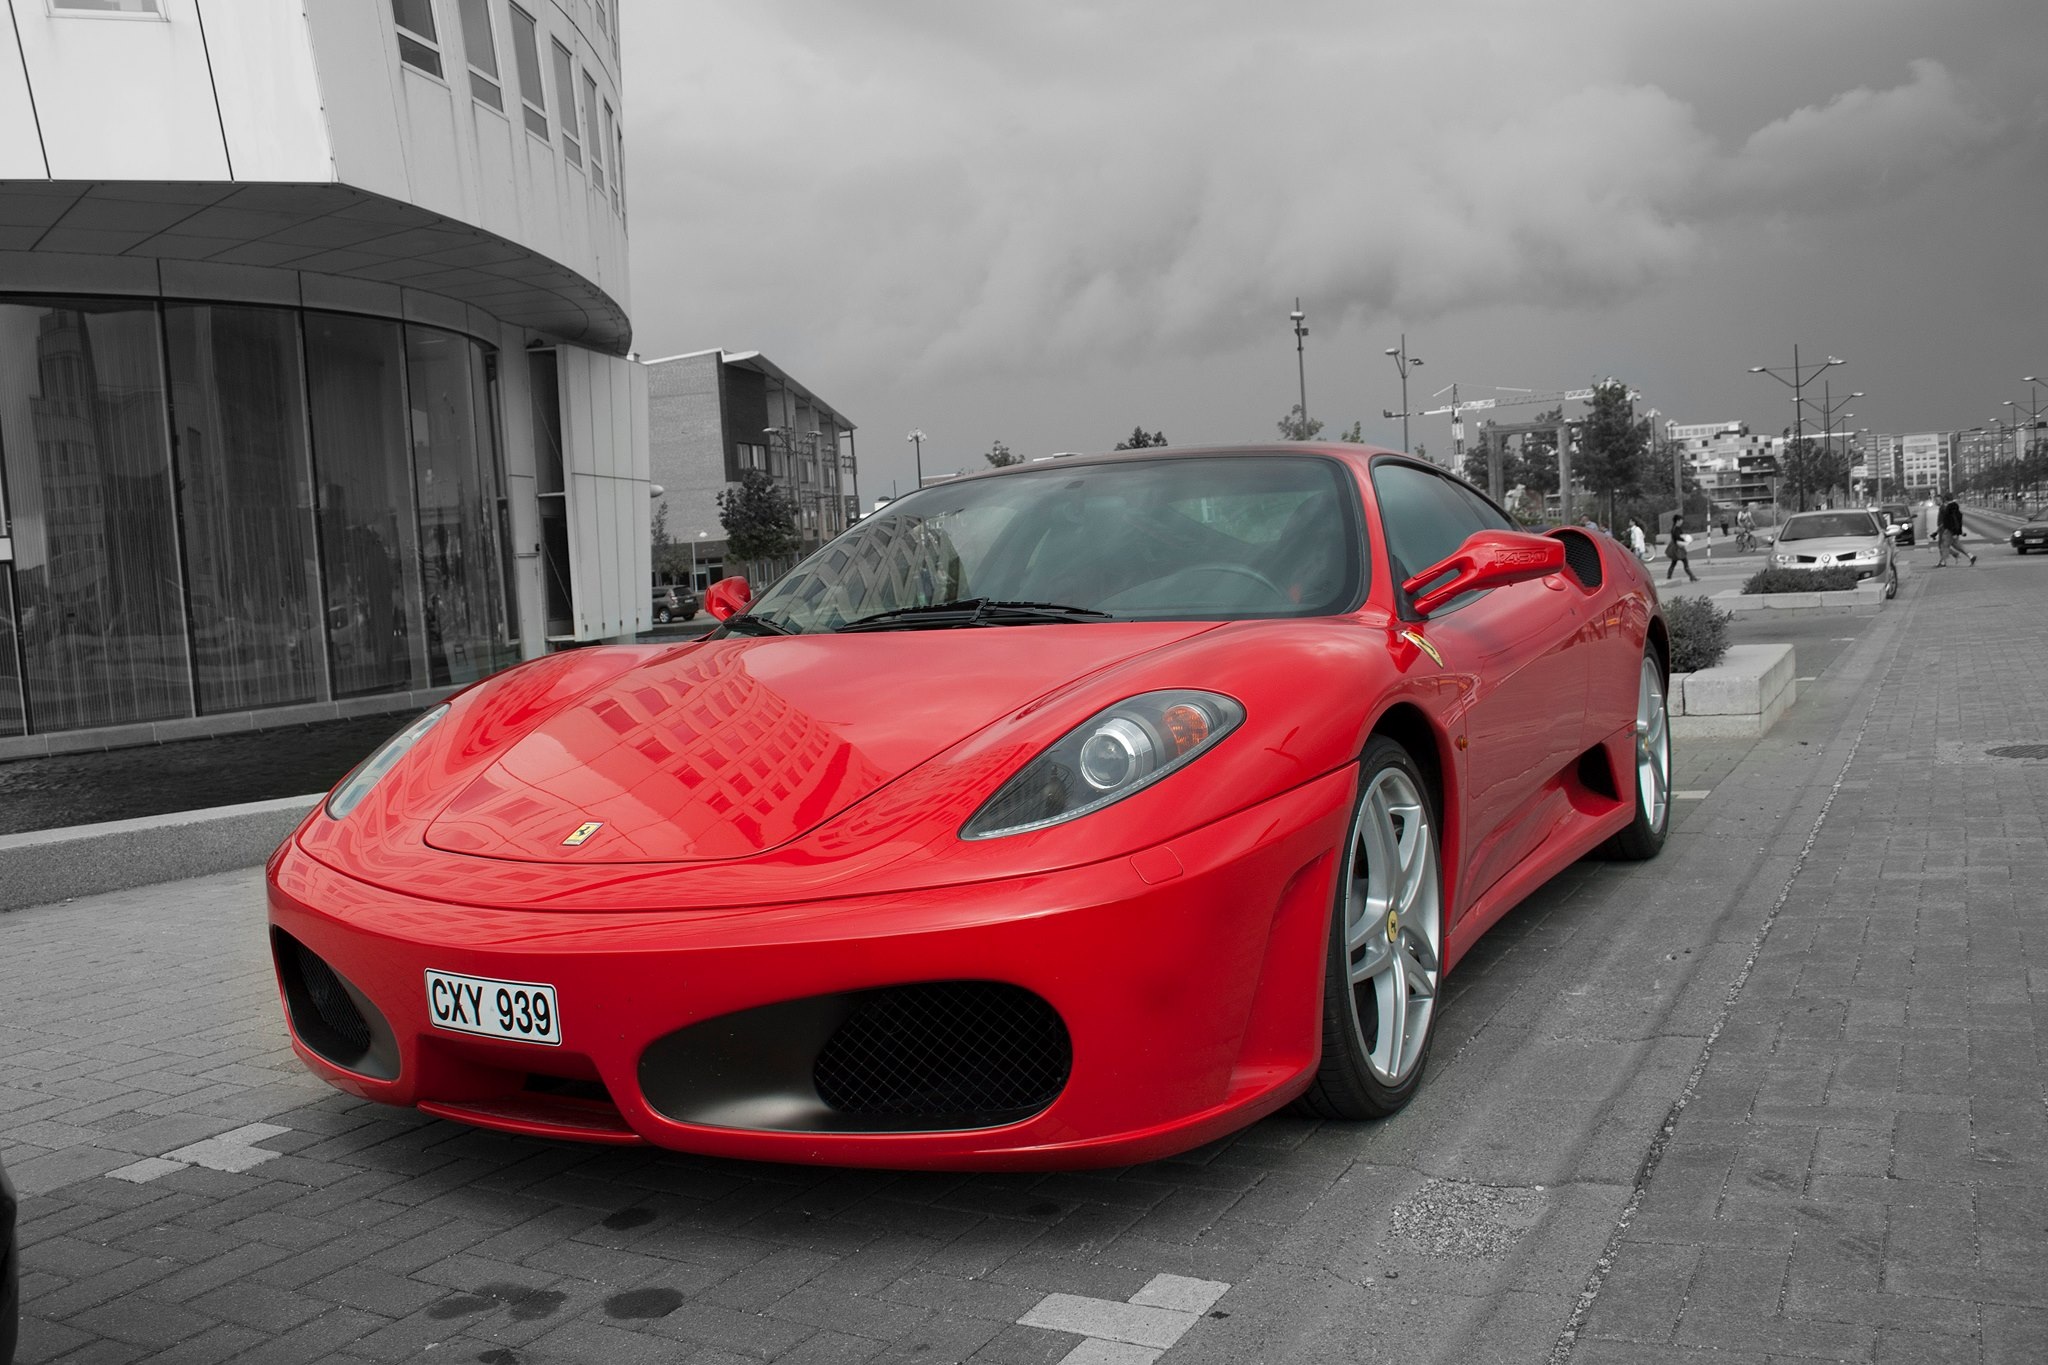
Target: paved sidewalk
column 1860, row 1171
column 1775, row 1096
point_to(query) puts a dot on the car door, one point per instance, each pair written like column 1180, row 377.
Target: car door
column 1520, row 646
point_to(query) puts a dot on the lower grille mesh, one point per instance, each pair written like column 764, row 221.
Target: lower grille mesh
column 323, row 1013
column 946, row 1050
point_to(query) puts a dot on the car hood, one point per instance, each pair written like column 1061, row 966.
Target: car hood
column 737, row 746
column 1834, row 547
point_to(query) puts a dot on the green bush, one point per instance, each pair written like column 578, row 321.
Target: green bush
column 1699, row 633
column 1801, row 580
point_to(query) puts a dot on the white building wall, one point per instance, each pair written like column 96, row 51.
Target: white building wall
column 605, row 470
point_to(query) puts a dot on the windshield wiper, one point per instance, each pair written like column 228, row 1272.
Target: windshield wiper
column 973, row 611
column 754, row 625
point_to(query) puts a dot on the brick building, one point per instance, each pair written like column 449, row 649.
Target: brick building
column 712, row 414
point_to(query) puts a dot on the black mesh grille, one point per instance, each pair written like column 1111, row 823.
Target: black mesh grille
column 946, row 1050
column 1582, row 557
column 322, row 1012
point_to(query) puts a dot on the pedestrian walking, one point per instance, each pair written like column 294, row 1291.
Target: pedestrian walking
column 1948, row 533
column 1637, row 541
column 1674, row 551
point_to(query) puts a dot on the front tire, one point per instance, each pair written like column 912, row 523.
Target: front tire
column 1382, row 967
column 1645, row 834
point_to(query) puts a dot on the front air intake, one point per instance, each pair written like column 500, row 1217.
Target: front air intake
column 945, row 1050
column 329, row 1015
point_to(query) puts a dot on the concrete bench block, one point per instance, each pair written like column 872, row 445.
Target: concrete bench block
column 1743, row 695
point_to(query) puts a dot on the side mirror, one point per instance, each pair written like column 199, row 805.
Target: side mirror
column 728, row 597
column 1487, row 559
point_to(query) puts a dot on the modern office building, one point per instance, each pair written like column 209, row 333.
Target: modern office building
column 714, row 414
column 314, row 389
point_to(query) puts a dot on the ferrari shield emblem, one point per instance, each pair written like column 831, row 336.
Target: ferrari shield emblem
column 581, row 834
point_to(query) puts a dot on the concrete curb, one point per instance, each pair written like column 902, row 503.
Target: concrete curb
column 1741, row 697
column 1867, row 599
column 51, row 865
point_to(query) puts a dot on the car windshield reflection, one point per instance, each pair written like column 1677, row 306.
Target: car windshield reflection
column 1172, row 538
column 1827, row 525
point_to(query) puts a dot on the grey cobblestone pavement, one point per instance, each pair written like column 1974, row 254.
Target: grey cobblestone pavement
column 1777, row 1096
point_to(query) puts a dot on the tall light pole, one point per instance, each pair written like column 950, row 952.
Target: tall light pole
column 1828, row 409
column 916, row 439
column 1404, row 363
column 1801, row 377
column 1300, row 363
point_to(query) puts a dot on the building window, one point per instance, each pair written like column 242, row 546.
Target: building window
column 596, row 143
column 611, row 135
column 141, row 9
column 419, row 42
column 565, row 91
column 481, row 46
column 526, row 49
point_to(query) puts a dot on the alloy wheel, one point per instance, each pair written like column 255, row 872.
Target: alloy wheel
column 1393, row 926
column 1653, row 746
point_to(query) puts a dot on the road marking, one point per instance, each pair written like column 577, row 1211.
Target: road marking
column 1134, row 1332
column 1814, row 678
column 1691, row 796
column 234, row 1152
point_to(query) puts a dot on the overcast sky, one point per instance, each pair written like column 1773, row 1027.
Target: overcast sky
column 1047, row 222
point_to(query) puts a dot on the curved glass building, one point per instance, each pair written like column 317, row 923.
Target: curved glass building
column 314, row 389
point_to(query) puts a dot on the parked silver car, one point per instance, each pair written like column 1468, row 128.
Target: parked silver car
column 1849, row 538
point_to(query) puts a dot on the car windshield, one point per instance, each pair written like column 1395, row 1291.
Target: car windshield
column 1895, row 511
column 1173, row 538
column 1826, row 525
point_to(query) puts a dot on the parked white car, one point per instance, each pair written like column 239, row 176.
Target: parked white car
column 1849, row 538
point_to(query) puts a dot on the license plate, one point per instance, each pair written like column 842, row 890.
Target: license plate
column 523, row 1011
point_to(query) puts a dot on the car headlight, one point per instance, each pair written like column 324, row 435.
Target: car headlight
column 1781, row 559
column 1866, row 555
column 350, row 791
column 1106, row 758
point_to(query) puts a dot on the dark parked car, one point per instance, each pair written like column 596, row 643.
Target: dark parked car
column 2033, row 533
column 1899, row 521
column 674, row 604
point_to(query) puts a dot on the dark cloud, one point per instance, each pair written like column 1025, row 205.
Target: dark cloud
column 919, row 208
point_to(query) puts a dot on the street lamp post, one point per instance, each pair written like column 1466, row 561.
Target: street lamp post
column 1300, row 362
column 916, row 439
column 1404, row 363
column 1801, row 377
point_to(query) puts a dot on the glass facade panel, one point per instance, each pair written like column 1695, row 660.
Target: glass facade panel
column 97, row 601
column 526, row 53
column 238, row 414
column 482, row 49
column 220, row 508
column 457, row 507
column 369, row 546
column 565, row 97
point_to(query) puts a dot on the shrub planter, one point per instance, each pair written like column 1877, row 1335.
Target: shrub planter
column 1865, row 599
column 1739, row 698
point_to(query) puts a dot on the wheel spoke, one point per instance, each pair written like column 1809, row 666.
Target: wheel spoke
column 1393, row 999
column 1379, row 956
column 1417, row 977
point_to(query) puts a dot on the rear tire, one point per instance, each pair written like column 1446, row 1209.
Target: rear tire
column 1644, row 836
column 1382, row 966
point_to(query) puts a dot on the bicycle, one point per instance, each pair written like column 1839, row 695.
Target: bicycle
column 1746, row 541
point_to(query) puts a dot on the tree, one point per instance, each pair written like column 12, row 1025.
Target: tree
column 1813, row 467
column 1299, row 426
column 1612, row 444
column 760, row 523
column 671, row 560
column 1002, row 457
column 1138, row 440
column 1354, row 434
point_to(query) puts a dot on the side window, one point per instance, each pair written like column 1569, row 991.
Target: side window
column 1423, row 516
column 1490, row 517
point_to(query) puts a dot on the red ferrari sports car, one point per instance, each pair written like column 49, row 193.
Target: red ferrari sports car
column 1073, row 813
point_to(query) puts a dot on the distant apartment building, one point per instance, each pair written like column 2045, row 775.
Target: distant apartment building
column 314, row 389
column 1731, row 466
column 1926, row 462
column 713, row 414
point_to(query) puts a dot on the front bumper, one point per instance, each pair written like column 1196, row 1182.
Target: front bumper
column 1186, row 979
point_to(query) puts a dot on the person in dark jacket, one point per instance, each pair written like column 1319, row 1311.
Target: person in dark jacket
column 1674, row 550
column 1948, row 532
